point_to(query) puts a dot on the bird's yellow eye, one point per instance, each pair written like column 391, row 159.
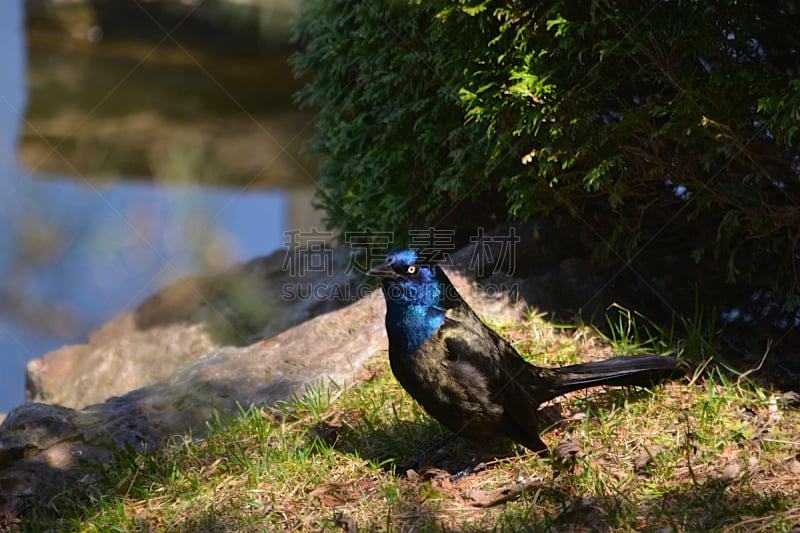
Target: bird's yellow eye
column 411, row 269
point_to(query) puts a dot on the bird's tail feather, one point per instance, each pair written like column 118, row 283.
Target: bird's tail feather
column 636, row 370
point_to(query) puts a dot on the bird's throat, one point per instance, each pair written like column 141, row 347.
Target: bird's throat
column 410, row 326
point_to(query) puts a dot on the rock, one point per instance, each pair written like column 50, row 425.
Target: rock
column 42, row 451
column 38, row 426
column 119, row 357
column 185, row 321
column 45, row 448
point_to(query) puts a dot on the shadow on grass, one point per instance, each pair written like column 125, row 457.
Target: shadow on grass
column 397, row 445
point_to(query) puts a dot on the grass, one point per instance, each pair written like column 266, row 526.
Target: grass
column 710, row 453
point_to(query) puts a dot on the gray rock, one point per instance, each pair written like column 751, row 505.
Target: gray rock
column 118, row 357
column 185, row 321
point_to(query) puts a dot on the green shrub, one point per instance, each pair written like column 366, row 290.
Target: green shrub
column 659, row 124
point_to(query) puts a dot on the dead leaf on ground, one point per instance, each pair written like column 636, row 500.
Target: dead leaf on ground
column 618, row 474
column 489, row 498
column 368, row 375
column 335, row 492
column 729, row 472
column 647, row 455
column 434, row 473
column 412, row 475
column 569, row 448
column 793, row 464
column 791, row 399
column 427, row 474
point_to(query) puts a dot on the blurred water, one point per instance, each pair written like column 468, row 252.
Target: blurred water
column 74, row 253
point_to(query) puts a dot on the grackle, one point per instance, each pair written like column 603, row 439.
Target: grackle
column 465, row 375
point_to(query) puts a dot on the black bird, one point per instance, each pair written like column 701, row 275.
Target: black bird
column 465, row 375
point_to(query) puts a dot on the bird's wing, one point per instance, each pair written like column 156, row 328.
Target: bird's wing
column 480, row 357
column 493, row 372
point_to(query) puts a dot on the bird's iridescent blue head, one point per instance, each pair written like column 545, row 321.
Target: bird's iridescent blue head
column 414, row 299
column 408, row 280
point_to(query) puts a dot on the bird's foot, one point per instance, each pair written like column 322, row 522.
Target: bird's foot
column 473, row 466
column 458, row 476
column 428, row 457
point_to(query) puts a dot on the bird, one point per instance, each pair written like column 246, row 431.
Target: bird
column 468, row 377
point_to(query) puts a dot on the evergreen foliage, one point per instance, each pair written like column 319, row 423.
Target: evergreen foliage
column 659, row 124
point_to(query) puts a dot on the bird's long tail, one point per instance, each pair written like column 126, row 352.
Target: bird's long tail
column 637, row 370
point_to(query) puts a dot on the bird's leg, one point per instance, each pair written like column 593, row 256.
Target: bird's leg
column 424, row 457
column 476, row 464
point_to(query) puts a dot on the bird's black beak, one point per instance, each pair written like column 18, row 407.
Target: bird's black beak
column 383, row 271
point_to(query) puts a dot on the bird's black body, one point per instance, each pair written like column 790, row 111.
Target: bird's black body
column 465, row 375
